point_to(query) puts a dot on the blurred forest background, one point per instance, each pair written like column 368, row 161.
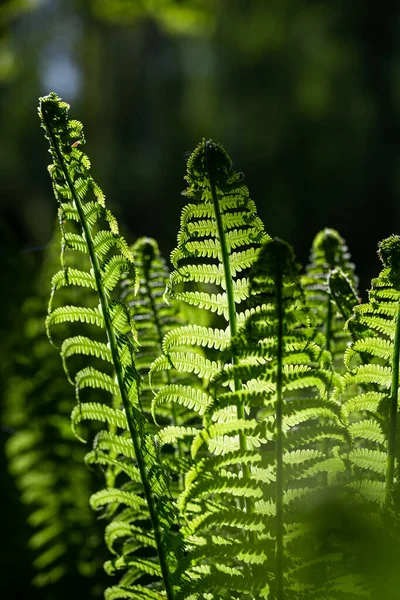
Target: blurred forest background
column 303, row 94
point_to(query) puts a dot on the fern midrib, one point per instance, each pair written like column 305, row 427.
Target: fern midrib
column 328, row 329
column 328, row 343
column 225, row 254
column 118, row 369
column 231, row 302
column 394, row 392
column 279, row 445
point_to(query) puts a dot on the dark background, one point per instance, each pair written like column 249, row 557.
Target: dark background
column 303, row 94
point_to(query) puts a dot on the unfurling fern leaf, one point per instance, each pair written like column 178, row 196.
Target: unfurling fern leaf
column 371, row 412
column 253, row 549
column 329, row 252
column 126, row 448
column 218, row 241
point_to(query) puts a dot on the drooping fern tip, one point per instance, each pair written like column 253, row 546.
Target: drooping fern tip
column 331, row 244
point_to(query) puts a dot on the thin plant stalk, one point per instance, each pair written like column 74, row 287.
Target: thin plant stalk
column 394, row 393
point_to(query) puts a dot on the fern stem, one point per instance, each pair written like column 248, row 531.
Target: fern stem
column 328, row 329
column 394, row 392
column 328, row 344
column 225, row 252
column 118, row 368
column 279, row 445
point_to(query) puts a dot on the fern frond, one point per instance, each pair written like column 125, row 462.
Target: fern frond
column 329, row 285
column 369, row 460
column 218, row 193
column 217, row 244
column 373, row 413
column 88, row 227
column 111, row 496
column 343, row 292
column 218, row 239
column 281, row 366
column 155, row 321
column 98, row 412
column 185, row 395
column 196, row 335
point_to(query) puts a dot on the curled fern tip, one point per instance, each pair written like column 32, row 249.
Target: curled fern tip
column 211, row 157
column 389, row 252
column 329, row 242
column 275, row 256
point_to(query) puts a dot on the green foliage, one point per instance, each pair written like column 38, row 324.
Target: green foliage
column 90, row 229
column 239, row 461
column 155, row 320
column 47, row 464
column 371, row 412
column 329, row 254
column 45, row 458
column 289, row 420
column 217, row 243
column 221, row 220
column 152, row 316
